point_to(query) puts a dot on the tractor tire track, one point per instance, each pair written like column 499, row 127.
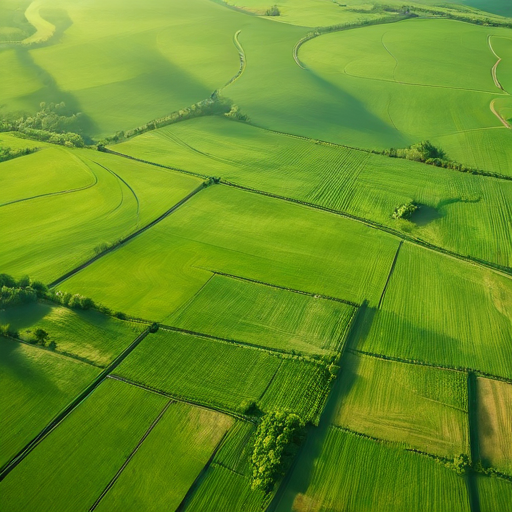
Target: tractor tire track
column 243, row 60
column 502, row 120
column 60, row 192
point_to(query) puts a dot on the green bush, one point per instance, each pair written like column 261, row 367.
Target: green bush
column 404, row 211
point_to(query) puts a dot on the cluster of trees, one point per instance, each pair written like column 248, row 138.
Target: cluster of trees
column 404, row 211
column 273, row 11
column 278, row 437
column 419, row 152
column 236, row 114
column 9, row 153
column 15, row 292
column 52, row 123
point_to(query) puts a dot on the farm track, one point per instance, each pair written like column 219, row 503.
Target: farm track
column 130, row 457
column 390, row 274
column 431, row 365
column 126, row 183
column 182, row 399
column 497, row 83
column 126, row 239
column 20, row 456
column 243, row 61
column 503, row 121
column 60, row 192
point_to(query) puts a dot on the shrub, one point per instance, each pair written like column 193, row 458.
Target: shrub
column 404, row 211
column 273, row 11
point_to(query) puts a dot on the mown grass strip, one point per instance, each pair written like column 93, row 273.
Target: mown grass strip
column 8, row 467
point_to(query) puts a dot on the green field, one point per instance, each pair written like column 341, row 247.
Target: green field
column 90, row 335
column 49, row 235
column 399, row 480
column 36, row 385
column 494, row 400
column 423, row 408
column 285, row 232
column 208, row 372
column 103, row 431
column 176, row 451
column 461, row 212
column 441, row 311
column 265, row 316
column 226, row 230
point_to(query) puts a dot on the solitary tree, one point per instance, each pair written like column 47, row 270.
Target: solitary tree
column 41, row 336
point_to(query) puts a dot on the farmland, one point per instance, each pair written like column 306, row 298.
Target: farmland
column 256, row 256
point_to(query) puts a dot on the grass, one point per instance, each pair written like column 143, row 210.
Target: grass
column 494, row 399
column 265, row 316
column 235, row 232
column 423, row 408
column 47, row 236
column 495, row 494
column 36, row 386
column 236, row 450
column 169, row 460
column 461, row 212
column 209, row 372
column 353, row 473
column 90, row 335
column 102, row 431
column 441, row 311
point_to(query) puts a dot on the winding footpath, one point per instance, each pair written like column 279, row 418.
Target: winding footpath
column 497, row 83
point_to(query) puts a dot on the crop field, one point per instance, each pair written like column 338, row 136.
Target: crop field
column 458, row 319
column 103, row 431
column 36, row 385
column 424, row 408
column 458, row 210
column 256, row 256
column 494, row 400
column 176, row 450
column 208, row 372
column 90, row 335
column 265, row 316
column 399, row 480
column 226, row 230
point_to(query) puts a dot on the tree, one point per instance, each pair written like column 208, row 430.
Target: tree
column 41, row 336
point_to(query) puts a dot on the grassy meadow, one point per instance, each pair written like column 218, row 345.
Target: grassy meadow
column 89, row 335
column 36, row 385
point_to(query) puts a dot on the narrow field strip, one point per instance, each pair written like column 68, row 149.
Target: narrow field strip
column 124, row 241
column 7, row 468
column 178, row 398
column 130, row 457
column 424, row 363
column 389, row 275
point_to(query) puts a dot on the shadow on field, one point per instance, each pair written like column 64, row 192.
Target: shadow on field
column 299, row 476
column 51, row 93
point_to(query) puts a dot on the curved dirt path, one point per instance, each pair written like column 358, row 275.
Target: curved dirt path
column 497, row 83
column 503, row 121
column 243, row 60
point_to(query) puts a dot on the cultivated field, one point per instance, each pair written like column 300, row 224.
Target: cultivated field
column 255, row 257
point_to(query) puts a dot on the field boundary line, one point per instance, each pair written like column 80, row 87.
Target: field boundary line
column 276, row 352
column 130, row 457
column 195, row 484
column 179, row 398
column 285, row 288
column 461, row 369
column 176, row 169
column 504, row 271
column 14, row 461
column 390, row 273
column 127, row 239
